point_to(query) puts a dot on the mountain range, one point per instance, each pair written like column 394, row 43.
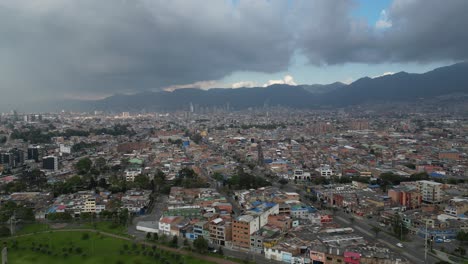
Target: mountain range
column 398, row 87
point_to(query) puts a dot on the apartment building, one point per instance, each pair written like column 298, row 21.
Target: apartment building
column 242, row 227
column 431, row 192
column 408, row 196
column 220, row 231
column 90, row 206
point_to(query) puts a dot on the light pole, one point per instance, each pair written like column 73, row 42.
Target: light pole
column 401, row 231
column 425, row 245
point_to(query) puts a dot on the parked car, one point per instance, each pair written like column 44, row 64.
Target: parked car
column 447, row 240
column 399, row 245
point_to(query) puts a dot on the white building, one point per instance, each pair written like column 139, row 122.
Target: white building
column 300, row 175
column 65, row 149
column 132, row 173
column 431, row 192
column 90, row 206
column 325, row 171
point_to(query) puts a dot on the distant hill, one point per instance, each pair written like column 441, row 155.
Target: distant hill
column 403, row 86
column 323, row 88
column 240, row 98
column 398, row 87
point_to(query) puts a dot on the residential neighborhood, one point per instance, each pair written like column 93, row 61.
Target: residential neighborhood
column 292, row 187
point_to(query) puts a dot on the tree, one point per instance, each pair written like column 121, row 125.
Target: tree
column 462, row 251
column 4, row 231
column 34, row 179
column 84, row 165
column 142, row 182
column 376, row 230
column 100, row 163
column 399, row 229
column 174, row 241
column 9, row 208
column 200, row 244
column 102, row 183
column 123, row 216
column 155, row 236
column 462, row 237
column 220, row 251
column 197, row 138
column 283, row 182
column 218, row 176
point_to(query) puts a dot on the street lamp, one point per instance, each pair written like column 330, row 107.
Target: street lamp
column 401, row 231
column 425, row 244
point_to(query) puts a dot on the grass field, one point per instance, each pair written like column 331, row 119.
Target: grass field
column 33, row 228
column 86, row 248
column 108, row 227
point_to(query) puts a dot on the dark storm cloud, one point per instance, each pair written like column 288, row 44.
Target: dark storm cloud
column 114, row 45
column 60, row 47
column 427, row 30
column 417, row 31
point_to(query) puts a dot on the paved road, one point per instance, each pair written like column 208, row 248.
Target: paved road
column 246, row 255
column 154, row 215
column 414, row 252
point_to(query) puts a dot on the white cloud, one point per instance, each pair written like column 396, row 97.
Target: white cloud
column 383, row 21
column 348, row 80
column 242, row 84
column 205, row 85
column 384, row 74
column 288, row 79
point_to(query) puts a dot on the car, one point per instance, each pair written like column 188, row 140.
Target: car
column 382, row 224
column 439, row 240
column 399, row 245
column 447, row 240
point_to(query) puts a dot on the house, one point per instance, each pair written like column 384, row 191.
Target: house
column 167, row 224
column 242, row 227
column 220, row 231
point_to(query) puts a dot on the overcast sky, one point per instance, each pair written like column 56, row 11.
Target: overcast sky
column 52, row 49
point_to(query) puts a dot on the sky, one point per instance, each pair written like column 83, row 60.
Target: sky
column 88, row 49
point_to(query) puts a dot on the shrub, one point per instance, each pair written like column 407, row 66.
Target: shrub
column 85, row 236
column 78, row 250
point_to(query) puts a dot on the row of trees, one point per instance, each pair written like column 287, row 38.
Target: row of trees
column 118, row 217
column 243, row 180
column 37, row 136
column 187, row 178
